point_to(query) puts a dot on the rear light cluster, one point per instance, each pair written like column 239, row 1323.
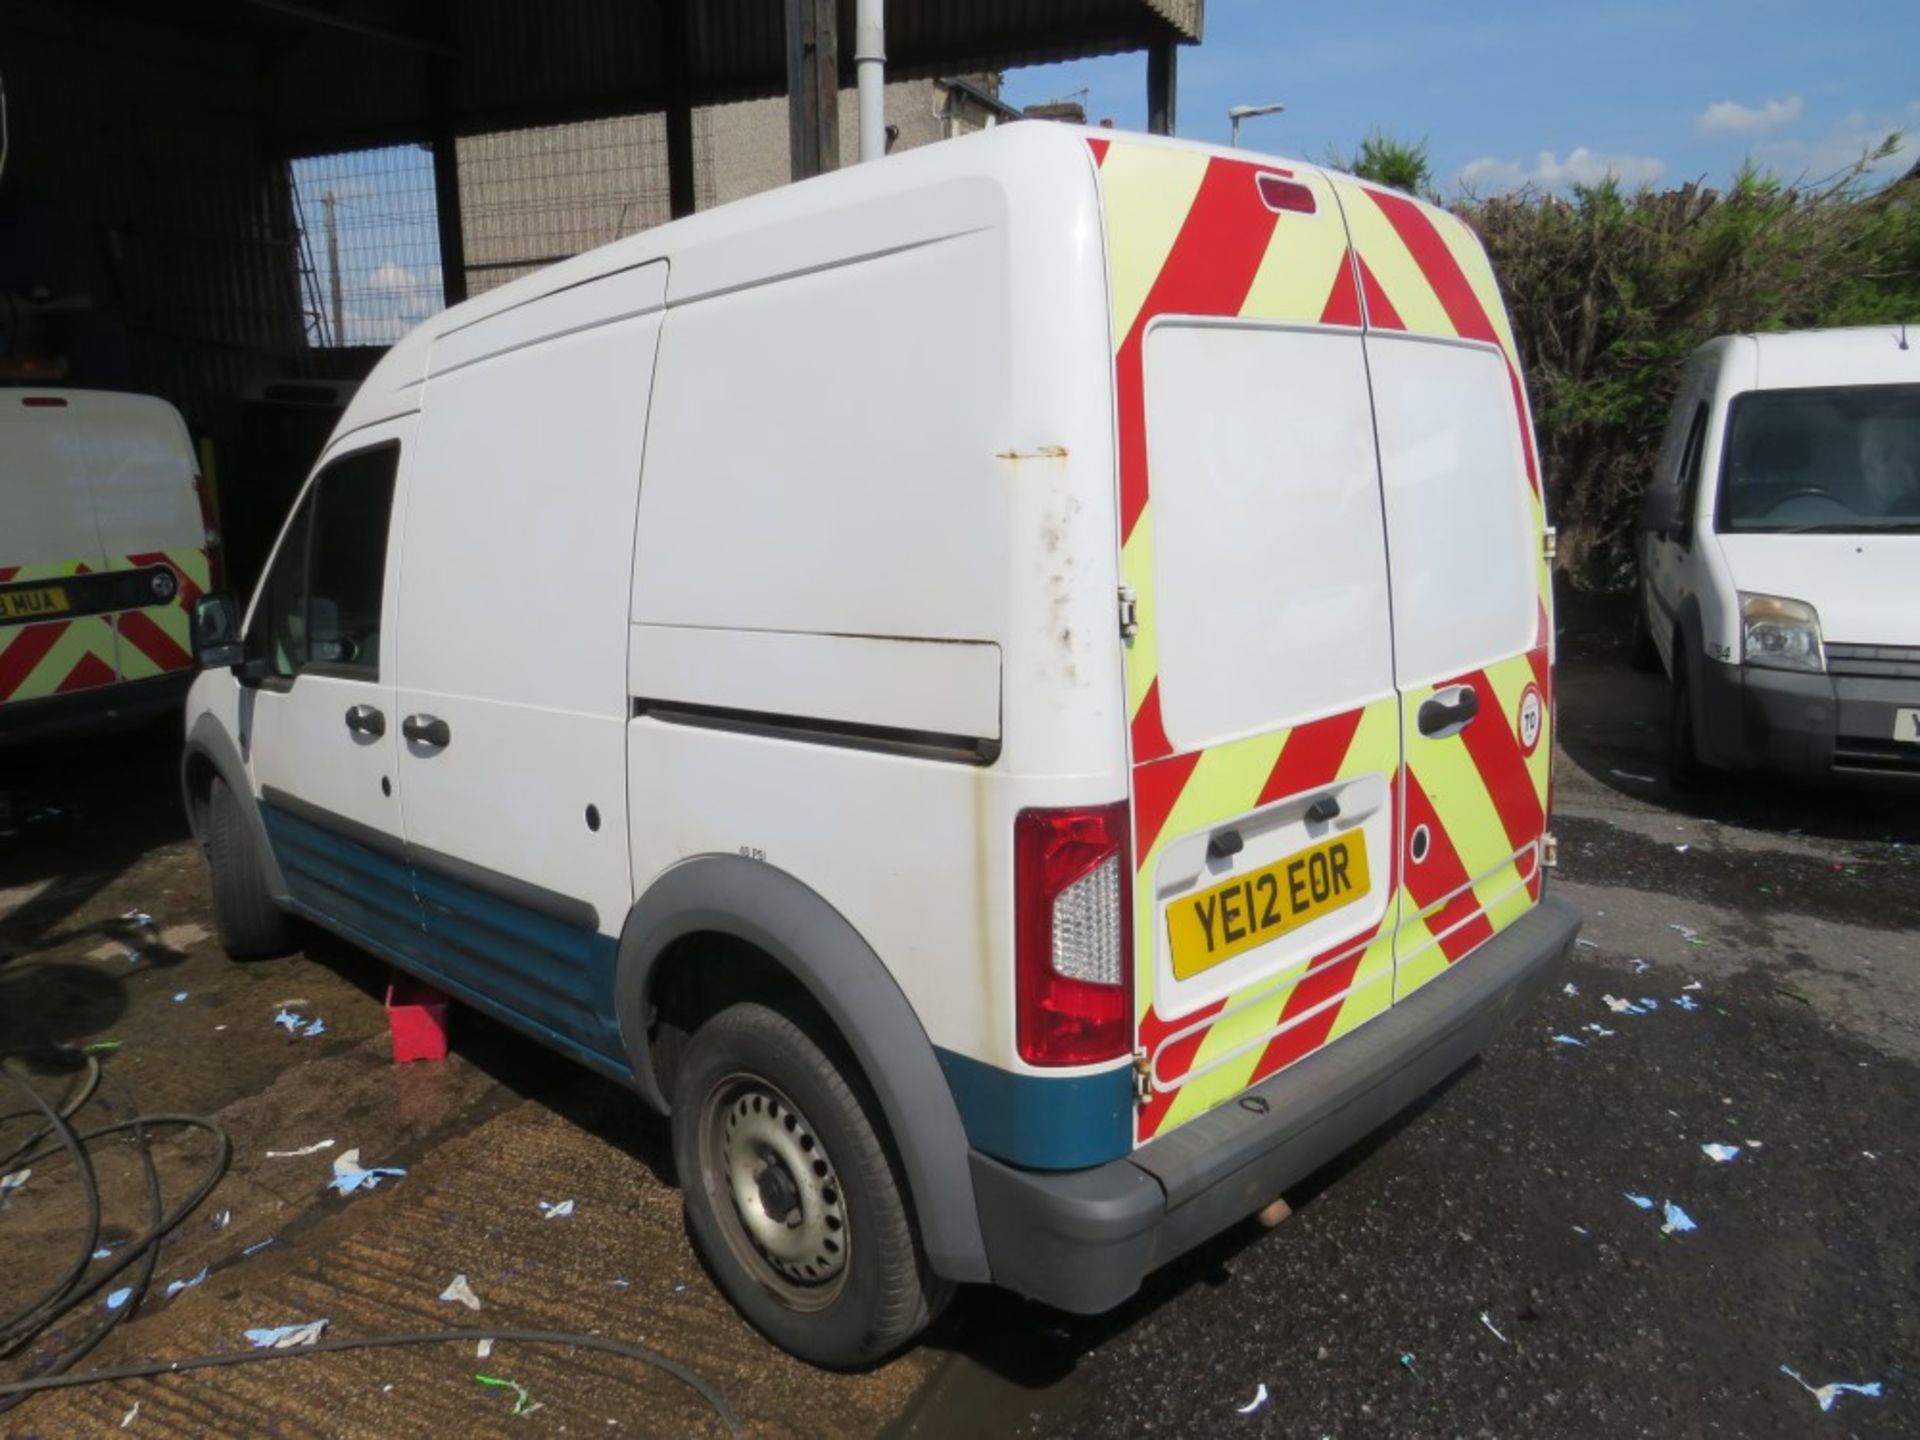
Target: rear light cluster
column 1073, row 947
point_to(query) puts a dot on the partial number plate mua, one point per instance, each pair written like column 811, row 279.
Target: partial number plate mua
column 1211, row 926
column 35, row 604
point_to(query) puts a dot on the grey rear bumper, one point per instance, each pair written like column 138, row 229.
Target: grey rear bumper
column 1083, row 1240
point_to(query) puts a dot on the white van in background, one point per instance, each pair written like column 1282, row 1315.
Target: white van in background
column 1779, row 553
column 943, row 678
column 106, row 542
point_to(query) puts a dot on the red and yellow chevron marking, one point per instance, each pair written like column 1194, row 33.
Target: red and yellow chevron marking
column 58, row 657
column 159, row 639
column 1188, row 234
column 1481, row 798
column 1211, row 1055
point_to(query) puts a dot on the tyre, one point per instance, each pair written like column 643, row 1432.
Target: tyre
column 1684, row 767
column 249, row 924
column 1643, row 654
column 792, row 1195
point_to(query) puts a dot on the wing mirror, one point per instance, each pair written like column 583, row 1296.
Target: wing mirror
column 1660, row 512
column 216, row 632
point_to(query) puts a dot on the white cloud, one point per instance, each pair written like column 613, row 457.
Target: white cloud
column 390, row 276
column 1858, row 134
column 1583, row 166
column 1730, row 117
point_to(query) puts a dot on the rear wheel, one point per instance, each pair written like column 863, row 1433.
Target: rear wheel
column 792, row 1195
column 249, row 924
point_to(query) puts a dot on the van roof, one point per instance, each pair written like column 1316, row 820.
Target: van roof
column 1802, row 359
column 730, row 241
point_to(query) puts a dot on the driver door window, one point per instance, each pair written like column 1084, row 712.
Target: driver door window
column 321, row 608
column 1689, row 478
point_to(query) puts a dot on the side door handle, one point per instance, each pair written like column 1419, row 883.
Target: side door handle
column 1449, row 711
column 365, row 720
column 428, row 730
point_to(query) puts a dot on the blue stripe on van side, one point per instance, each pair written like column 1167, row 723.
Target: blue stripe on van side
column 540, row 975
column 1044, row 1122
column 557, row 975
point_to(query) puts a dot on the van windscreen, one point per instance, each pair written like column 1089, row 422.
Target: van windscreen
column 1838, row 460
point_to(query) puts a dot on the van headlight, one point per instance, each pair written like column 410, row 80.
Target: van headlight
column 1780, row 634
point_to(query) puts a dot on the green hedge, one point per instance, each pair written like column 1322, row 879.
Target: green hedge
column 1610, row 291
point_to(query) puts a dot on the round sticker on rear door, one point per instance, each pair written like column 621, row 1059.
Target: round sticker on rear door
column 1530, row 718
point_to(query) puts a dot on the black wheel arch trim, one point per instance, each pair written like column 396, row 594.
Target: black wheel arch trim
column 209, row 742
column 769, row 909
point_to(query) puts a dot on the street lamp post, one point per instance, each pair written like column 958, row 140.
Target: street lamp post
column 1247, row 112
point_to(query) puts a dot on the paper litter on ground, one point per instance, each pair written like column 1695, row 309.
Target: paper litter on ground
column 1678, row 1221
column 12, row 1181
column 1642, row 1201
column 1258, row 1402
column 1601, row 1030
column 1588, row 944
column 1827, row 1394
column 521, row 1400
column 178, row 996
column 1569, row 1040
column 127, row 1419
column 348, row 1176
column 1721, row 1153
column 286, row 1337
column 551, row 1210
column 1686, row 1002
column 461, row 1293
column 1569, row 988
column 119, row 1297
column 258, row 1246
column 313, row 1149
column 1621, row 1007
column 1640, row 967
column 176, row 1286
column 1695, row 985
column 483, row 1349
column 1487, row 1320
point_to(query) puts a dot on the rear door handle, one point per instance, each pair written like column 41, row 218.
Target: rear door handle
column 365, row 720
column 428, row 730
column 1449, row 711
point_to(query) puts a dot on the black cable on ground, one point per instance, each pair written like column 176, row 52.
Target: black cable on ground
column 74, row 1288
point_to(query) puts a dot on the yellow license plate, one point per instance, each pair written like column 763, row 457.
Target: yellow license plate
column 1212, row 926
column 34, row 604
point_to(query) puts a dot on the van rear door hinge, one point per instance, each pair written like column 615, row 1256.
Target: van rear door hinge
column 1129, row 613
column 1142, row 1078
column 1549, row 544
column 1550, row 852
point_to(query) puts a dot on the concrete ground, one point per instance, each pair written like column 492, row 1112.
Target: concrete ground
column 1502, row 1197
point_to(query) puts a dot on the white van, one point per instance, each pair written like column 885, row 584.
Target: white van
column 106, row 542
column 1778, row 546
column 905, row 672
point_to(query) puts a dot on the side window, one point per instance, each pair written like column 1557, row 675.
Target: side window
column 321, row 606
column 1689, row 476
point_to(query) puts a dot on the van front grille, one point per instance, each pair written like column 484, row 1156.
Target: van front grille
column 1888, row 757
column 1874, row 662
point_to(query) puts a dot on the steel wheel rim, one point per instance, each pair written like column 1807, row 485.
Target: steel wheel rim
column 775, row 1190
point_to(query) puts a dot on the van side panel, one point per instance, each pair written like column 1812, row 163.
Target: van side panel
column 516, row 563
column 1193, row 237
column 877, row 513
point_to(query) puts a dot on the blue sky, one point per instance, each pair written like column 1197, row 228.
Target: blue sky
column 1549, row 93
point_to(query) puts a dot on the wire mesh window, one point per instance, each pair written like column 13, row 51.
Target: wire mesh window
column 369, row 254
column 531, row 197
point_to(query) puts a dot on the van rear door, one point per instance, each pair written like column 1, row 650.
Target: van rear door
column 53, row 637
column 1264, row 719
column 1471, row 600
